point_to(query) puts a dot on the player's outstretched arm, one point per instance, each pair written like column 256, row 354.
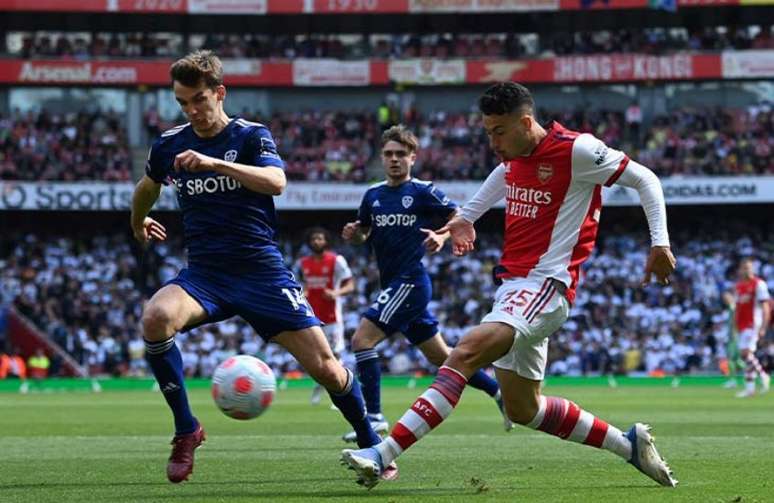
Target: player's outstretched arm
column 355, row 232
column 661, row 262
column 268, row 180
column 145, row 195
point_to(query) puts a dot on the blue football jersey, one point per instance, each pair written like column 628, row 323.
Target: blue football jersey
column 395, row 215
column 225, row 225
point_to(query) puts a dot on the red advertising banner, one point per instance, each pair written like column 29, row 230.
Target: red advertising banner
column 359, row 6
column 599, row 68
column 129, row 72
column 540, row 70
column 329, row 72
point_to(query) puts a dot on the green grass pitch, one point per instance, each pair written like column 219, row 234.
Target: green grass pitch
column 112, row 447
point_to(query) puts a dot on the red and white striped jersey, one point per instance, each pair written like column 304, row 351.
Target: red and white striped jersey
column 321, row 273
column 553, row 203
column 750, row 293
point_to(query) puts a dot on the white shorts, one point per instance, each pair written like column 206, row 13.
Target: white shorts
column 535, row 310
column 748, row 339
column 334, row 332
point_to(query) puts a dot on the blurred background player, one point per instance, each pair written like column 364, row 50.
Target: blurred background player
column 326, row 277
column 226, row 172
column 394, row 217
column 752, row 315
column 734, row 360
column 551, row 179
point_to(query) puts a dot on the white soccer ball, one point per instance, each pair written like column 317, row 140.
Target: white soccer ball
column 243, row 387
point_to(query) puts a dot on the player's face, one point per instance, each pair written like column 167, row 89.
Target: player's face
column 202, row 105
column 746, row 269
column 509, row 134
column 317, row 242
column 397, row 160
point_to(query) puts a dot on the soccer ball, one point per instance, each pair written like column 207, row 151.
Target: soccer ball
column 243, row 387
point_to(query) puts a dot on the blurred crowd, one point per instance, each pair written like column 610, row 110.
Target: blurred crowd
column 341, row 146
column 385, row 46
column 87, row 294
column 70, row 147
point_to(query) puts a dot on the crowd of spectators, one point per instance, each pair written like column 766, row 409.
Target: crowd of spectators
column 87, row 294
column 341, row 146
column 70, row 147
column 386, row 46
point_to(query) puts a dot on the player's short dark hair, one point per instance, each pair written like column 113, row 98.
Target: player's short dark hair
column 196, row 67
column 402, row 135
column 318, row 230
column 504, row 98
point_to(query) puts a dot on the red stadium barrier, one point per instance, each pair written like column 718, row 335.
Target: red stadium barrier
column 262, row 7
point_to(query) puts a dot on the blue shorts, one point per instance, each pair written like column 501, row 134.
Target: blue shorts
column 402, row 307
column 270, row 305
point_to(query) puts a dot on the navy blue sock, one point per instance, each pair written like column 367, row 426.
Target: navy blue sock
column 480, row 380
column 369, row 373
column 350, row 403
column 167, row 364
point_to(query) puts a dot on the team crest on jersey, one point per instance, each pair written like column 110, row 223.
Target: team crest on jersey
column 407, row 201
column 230, row 156
column 545, row 172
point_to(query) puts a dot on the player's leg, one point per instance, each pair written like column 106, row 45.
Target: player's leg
column 480, row 347
column 171, row 309
column 564, row 419
column 748, row 343
column 369, row 370
column 311, row 349
column 168, row 311
column 735, row 363
column 436, row 351
column 334, row 333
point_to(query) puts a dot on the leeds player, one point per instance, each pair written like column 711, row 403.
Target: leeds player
column 226, row 171
column 394, row 218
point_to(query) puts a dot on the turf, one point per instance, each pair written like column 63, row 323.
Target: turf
column 112, row 447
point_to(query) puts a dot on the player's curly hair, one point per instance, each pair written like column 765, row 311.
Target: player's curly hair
column 504, row 98
column 402, row 135
column 196, row 67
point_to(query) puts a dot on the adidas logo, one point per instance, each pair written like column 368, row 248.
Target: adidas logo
column 377, row 204
column 170, row 387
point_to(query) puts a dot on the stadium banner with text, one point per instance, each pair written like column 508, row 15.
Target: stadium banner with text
column 454, row 6
column 131, row 72
column 748, row 64
column 227, row 6
column 427, row 71
column 102, row 196
column 331, row 72
column 262, row 7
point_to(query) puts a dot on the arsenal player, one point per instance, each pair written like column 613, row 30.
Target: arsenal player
column 551, row 179
column 327, row 277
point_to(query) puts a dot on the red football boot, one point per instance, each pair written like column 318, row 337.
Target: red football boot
column 181, row 460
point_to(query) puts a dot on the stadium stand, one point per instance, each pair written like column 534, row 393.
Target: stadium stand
column 87, row 293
